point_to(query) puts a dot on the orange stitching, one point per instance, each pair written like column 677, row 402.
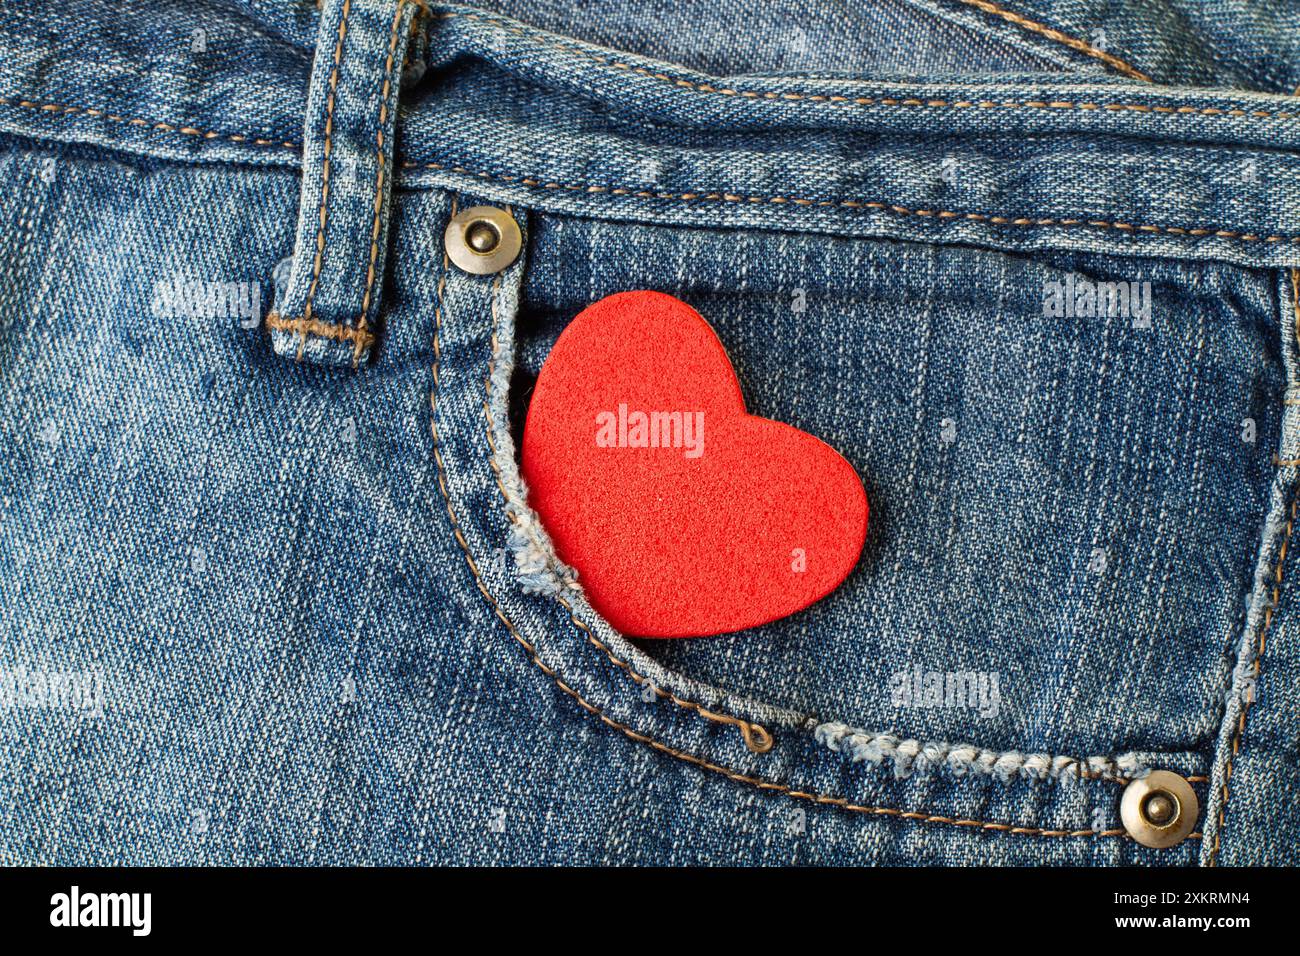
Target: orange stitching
column 1072, row 42
column 757, row 738
column 153, row 125
column 939, row 215
column 1125, row 781
column 1232, row 113
column 867, row 101
column 1240, row 731
column 817, row 798
column 303, row 326
column 379, row 179
column 325, row 175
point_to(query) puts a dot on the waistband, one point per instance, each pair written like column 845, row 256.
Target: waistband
column 1066, row 160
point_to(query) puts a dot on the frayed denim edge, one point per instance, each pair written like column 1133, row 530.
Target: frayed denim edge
column 537, row 567
column 919, row 757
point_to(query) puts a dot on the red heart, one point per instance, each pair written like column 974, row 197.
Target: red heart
column 703, row 533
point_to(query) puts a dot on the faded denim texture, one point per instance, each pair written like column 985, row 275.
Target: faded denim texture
column 272, row 591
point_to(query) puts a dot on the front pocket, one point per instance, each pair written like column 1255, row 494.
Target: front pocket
column 1066, row 493
column 1070, row 505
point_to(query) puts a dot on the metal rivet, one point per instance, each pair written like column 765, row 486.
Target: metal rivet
column 1160, row 809
column 483, row 240
column 481, row 237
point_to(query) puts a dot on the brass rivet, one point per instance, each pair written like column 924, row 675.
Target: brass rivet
column 482, row 237
column 1160, row 809
column 483, row 240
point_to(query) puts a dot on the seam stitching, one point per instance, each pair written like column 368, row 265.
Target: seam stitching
column 867, row 101
column 817, row 798
column 594, row 189
column 362, row 322
column 938, row 215
column 324, row 330
column 1056, row 35
column 1239, row 732
column 323, row 215
column 152, row 125
column 833, row 100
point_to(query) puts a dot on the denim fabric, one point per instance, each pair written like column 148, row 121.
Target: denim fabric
column 272, row 589
column 1209, row 43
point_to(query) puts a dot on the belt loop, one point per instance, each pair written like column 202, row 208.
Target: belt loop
column 327, row 313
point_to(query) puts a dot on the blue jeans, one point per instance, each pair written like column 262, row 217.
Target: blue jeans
column 273, row 591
